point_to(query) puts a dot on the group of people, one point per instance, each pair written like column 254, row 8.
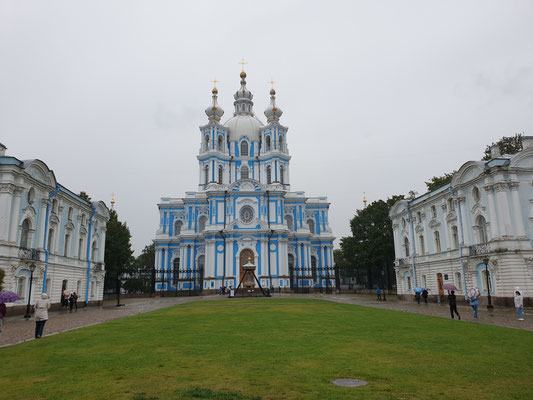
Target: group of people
column 69, row 300
column 379, row 292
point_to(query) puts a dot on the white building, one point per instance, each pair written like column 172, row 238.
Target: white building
column 486, row 211
column 244, row 210
column 44, row 224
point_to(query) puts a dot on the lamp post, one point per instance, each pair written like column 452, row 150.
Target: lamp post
column 486, row 262
column 28, row 315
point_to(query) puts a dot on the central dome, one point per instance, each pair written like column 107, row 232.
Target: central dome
column 244, row 125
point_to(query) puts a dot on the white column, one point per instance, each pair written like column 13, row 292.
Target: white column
column 517, row 211
column 494, row 231
column 14, row 216
column 503, row 209
column 102, row 241
column 6, row 193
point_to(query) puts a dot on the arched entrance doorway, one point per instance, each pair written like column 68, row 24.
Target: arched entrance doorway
column 247, row 255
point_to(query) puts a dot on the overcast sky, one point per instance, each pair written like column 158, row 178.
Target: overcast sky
column 378, row 95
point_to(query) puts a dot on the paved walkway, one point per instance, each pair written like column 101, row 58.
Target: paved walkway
column 17, row 329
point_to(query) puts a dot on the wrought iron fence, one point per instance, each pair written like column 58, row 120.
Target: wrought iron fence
column 476, row 249
column 29, row 254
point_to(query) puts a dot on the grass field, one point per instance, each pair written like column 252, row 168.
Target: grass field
column 272, row 349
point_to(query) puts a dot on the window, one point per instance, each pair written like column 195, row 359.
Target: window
column 176, row 266
column 78, row 288
column 48, row 286
column 21, row 286
column 433, row 212
column 268, row 143
column 25, row 234
column 201, row 223
column 281, row 174
column 419, row 217
column 481, row 229
column 455, row 237
column 70, row 212
column 311, row 224
column 50, row 239
column 314, row 269
column 206, row 174
column 406, row 246
column 244, row 172
column 422, row 247
column 476, row 194
column 280, row 143
column 458, row 281
column 424, row 281
column 80, row 248
column 54, row 206
column 93, row 284
column 220, row 174
column 67, row 245
column 451, row 205
column 437, row 242
column 290, row 222
column 206, row 143
column 244, row 148
column 269, row 175
column 220, row 143
column 94, row 251
column 83, row 219
column 177, row 228
column 408, row 284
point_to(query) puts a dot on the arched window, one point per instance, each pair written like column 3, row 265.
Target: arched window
column 269, row 174
column 433, row 212
column 406, row 246
column 455, row 237
column 220, row 174
column 94, row 251
column 422, row 247
column 66, row 250
column 280, row 143
column 451, row 204
column 50, row 240
column 80, row 248
column 281, row 174
column 206, row 174
column 201, row 223
column 83, row 219
column 177, row 228
column 21, row 287
column 206, row 143
column 475, row 194
column 25, row 234
column 311, row 225
column 244, row 148
column 70, row 212
column 268, row 143
column 437, row 241
column 176, row 269
column 290, row 222
column 220, row 143
column 313, row 269
column 244, row 172
column 481, row 229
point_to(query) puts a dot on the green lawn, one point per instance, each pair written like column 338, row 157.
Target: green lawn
column 272, row 349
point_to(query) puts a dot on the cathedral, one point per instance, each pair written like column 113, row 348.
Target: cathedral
column 244, row 211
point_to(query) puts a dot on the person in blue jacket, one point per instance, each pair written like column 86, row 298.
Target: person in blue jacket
column 473, row 298
column 378, row 292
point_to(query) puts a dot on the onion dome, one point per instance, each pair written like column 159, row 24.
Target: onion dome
column 243, row 98
column 273, row 113
column 214, row 112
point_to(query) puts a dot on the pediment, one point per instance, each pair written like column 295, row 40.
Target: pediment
column 452, row 216
column 419, row 228
column 434, row 223
column 246, row 185
column 69, row 225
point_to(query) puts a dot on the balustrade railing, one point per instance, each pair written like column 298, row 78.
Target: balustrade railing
column 29, row 254
column 476, row 249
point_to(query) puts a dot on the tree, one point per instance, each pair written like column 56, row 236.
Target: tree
column 506, row 145
column 146, row 259
column 369, row 252
column 438, row 181
column 85, row 196
column 119, row 258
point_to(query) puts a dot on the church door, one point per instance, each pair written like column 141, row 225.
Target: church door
column 246, row 256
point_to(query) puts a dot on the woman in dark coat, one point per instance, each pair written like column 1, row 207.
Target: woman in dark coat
column 453, row 304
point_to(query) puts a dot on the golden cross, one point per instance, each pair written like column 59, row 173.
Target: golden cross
column 272, row 83
column 215, row 82
column 242, row 64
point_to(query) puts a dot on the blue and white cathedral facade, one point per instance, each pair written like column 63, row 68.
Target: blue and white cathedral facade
column 244, row 210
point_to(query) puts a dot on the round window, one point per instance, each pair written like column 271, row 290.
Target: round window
column 247, row 214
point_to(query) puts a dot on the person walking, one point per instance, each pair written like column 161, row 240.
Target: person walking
column 41, row 314
column 473, row 298
column 452, row 299
column 417, row 296
column 378, row 292
column 425, row 295
column 73, row 301
column 519, row 303
column 3, row 311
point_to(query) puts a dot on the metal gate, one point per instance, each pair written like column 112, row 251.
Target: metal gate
column 179, row 282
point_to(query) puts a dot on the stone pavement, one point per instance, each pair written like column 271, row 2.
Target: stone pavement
column 17, row 329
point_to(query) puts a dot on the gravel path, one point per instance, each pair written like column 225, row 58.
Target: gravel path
column 17, row 329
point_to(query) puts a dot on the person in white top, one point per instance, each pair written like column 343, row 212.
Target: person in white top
column 519, row 303
column 41, row 314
